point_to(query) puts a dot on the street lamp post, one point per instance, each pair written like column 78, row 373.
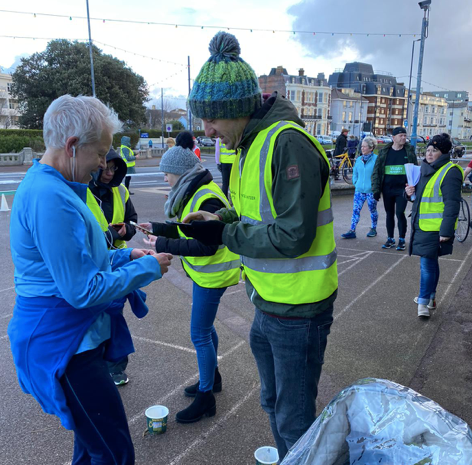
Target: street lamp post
column 409, row 87
column 424, row 5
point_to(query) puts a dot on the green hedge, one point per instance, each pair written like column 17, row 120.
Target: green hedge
column 15, row 144
column 21, row 132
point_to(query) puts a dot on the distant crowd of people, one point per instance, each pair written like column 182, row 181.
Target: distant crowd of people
column 68, row 333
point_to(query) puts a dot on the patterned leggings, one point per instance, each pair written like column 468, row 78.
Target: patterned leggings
column 359, row 200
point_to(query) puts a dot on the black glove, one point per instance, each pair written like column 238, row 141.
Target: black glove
column 220, row 168
column 377, row 196
column 207, row 232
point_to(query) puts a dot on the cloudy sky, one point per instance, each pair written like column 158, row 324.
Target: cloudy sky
column 447, row 61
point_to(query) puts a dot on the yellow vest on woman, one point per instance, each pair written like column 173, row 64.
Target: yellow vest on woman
column 120, row 197
column 311, row 277
column 129, row 164
column 221, row 269
column 226, row 156
column 432, row 204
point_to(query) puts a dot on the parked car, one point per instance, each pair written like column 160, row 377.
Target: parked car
column 458, row 150
column 384, row 139
column 206, row 142
column 325, row 140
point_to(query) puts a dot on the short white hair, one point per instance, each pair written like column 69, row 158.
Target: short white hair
column 370, row 141
column 83, row 117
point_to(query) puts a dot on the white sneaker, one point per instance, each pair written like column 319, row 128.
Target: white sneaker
column 431, row 304
column 423, row 310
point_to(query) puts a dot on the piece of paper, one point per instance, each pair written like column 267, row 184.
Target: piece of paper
column 413, row 174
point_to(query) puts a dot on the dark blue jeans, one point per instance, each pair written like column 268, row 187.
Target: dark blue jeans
column 429, row 279
column 101, row 429
column 203, row 333
column 289, row 356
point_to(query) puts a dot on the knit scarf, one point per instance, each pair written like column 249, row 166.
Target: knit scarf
column 174, row 205
column 366, row 158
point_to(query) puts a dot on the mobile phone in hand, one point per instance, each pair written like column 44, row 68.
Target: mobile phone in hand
column 177, row 223
column 117, row 226
column 144, row 230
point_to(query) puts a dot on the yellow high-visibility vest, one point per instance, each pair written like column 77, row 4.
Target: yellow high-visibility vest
column 129, row 164
column 226, row 156
column 309, row 278
column 431, row 204
column 120, row 197
column 219, row 270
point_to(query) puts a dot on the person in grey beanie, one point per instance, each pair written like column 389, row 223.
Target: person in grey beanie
column 211, row 268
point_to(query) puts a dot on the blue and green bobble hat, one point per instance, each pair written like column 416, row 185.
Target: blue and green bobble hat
column 226, row 87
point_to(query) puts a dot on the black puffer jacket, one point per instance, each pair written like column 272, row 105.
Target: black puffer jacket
column 426, row 243
column 341, row 143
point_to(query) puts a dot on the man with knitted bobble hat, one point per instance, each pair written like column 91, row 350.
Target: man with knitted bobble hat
column 281, row 225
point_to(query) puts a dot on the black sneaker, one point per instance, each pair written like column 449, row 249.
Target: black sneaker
column 119, row 379
column 401, row 244
column 389, row 244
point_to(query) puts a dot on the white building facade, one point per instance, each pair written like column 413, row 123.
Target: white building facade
column 9, row 113
column 432, row 114
column 348, row 110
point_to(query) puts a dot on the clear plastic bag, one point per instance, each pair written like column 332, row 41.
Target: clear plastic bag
column 378, row 421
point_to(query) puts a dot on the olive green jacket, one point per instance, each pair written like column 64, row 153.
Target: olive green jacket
column 296, row 201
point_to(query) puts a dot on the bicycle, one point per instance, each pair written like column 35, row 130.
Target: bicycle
column 463, row 221
column 346, row 166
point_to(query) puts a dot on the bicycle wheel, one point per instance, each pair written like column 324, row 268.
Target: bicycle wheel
column 463, row 222
column 347, row 170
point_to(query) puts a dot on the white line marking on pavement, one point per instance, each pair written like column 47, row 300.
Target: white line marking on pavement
column 160, row 343
column 3, row 337
column 184, row 384
column 368, row 254
column 368, row 288
column 234, row 292
column 217, row 424
column 6, row 316
column 7, row 289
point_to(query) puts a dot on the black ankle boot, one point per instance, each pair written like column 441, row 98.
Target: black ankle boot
column 190, row 391
column 203, row 405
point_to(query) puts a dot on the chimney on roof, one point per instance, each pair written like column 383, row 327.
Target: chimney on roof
column 301, row 72
column 279, row 71
column 321, row 76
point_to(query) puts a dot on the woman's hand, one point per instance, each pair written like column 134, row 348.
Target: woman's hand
column 138, row 253
column 410, row 190
column 200, row 216
column 147, row 226
column 151, row 241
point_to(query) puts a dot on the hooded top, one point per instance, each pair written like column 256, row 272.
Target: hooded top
column 104, row 192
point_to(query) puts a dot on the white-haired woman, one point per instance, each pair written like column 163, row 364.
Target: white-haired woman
column 361, row 179
column 70, row 289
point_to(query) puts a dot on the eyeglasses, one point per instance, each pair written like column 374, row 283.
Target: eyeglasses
column 111, row 169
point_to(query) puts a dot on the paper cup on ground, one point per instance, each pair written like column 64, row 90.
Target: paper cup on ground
column 156, row 417
column 266, row 456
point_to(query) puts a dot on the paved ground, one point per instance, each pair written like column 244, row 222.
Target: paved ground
column 376, row 333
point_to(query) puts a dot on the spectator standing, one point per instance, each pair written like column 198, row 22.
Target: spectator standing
column 389, row 179
column 186, row 140
column 352, row 146
column 341, row 143
column 281, row 225
column 71, row 290
column 224, row 161
column 129, row 158
column 361, row 178
column 434, row 216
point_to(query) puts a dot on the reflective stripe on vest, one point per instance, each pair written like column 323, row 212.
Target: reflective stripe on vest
column 129, row 164
column 309, row 278
column 431, row 206
column 221, row 269
column 226, row 156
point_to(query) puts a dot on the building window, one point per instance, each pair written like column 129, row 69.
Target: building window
column 344, row 116
column 350, row 104
column 298, row 95
column 9, row 84
column 446, row 95
column 350, row 117
column 425, row 121
column 459, row 95
column 344, row 103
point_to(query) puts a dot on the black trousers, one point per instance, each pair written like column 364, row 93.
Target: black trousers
column 101, row 434
column 395, row 204
column 127, row 181
column 225, row 174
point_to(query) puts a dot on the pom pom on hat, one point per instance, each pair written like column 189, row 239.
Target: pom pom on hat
column 226, row 86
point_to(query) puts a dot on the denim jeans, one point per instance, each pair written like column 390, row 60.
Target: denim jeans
column 101, row 434
column 429, row 279
column 289, row 356
column 203, row 333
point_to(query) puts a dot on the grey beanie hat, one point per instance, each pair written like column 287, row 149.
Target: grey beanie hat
column 178, row 160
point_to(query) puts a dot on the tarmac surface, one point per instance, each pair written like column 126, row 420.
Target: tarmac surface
column 376, row 333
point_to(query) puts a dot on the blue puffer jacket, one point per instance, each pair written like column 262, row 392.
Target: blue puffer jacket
column 66, row 283
column 361, row 177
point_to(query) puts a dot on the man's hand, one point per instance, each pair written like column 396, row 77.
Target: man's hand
column 138, row 253
column 151, row 241
column 164, row 260
column 147, row 226
column 200, row 216
column 377, row 196
column 444, row 239
column 220, row 168
column 207, row 232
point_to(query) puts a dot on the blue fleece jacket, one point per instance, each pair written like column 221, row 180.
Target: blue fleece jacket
column 361, row 177
column 66, row 281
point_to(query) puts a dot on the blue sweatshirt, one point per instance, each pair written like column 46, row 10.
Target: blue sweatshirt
column 68, row 283
column 361, row 176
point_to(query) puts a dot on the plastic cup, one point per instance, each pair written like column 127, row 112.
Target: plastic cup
column 156, row 417
column 266, row 456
